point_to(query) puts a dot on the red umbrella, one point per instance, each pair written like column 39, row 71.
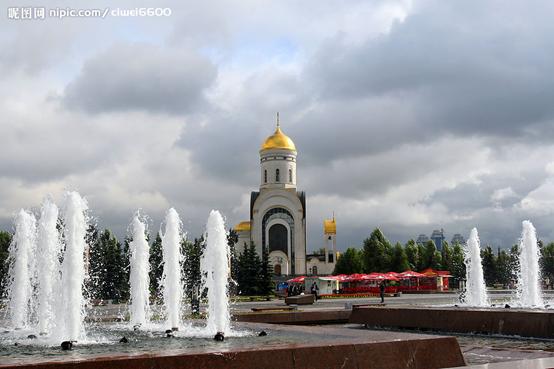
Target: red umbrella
column 392, row 276
column 355, row 277
column 411, row 274
column 297, row 279
column 429, row 272
column 383, row 276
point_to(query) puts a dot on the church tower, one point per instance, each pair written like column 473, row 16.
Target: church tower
column 278, row 161
column 330, row 240
column 277, row 211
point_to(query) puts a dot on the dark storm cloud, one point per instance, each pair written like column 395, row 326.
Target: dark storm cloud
column 380, row 114
column 378, row 173
column 468, row 68
column 490, row 191
column 141, row 77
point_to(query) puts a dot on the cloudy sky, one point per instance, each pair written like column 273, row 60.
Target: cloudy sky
column 407, row 115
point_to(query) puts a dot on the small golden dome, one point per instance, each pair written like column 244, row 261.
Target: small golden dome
column 242, row 226
column 278, row 140
column 330, row 226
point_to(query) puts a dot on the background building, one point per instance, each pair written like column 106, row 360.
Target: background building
column 458, row 238
column 422, row 239
column 438, row 238
column 323, row 263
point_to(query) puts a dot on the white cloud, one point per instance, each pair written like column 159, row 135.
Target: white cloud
column 540, row 201
column 407, row 115
column 501, row 194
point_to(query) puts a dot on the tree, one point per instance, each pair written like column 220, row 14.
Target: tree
column 5, row 240
column 458, row 266
column 232, row 240
column 112, row 273
column 503, row 268
column 489, row 266
column 399, row 262
column 377, row 253
column 125, row 270
column 95, row 266
column 107, row 266
column 421, row 263
column 265, row 286
column 412, row 254
column 446, row 254
column 514, row 263
column 192, row 273
column 156, row 266
column 436, row 262
column 547, row 262
column 349, row 262
column 248, row 276
column 431, row 258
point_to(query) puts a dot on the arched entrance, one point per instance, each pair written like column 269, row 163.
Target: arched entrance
column 278, row 233
column 278, row 238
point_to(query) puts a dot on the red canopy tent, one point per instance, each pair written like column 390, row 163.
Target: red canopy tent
column 392, row 276
column 410, row 274
column 383, row 277
column 299, row 279
column 355, row 277
column 435, row 279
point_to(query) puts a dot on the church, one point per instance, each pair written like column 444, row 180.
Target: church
column 278, row 214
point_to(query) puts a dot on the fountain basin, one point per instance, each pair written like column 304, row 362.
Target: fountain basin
column 511, row 322
column 283, row 347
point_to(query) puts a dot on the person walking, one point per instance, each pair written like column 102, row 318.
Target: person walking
column 295, row 291
column 314, row 290
column 382, row 292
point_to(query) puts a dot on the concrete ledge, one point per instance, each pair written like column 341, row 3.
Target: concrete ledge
column 300, row 300
column 511, row 322
column 295, row 317
column 543, row 363
column 338, row 348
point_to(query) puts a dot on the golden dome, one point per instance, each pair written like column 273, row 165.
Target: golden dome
column 330, row 226
column 278, row 140
column 242, row 226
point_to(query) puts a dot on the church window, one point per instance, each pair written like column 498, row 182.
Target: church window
column 265, row 176
column 277, row 175
column 290, row 175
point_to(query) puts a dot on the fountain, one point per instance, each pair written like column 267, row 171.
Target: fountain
column 215, row 269
column 528, row 281
column 70, row 324
column 62, row 319
column 476, row 290
column 22, row 269
column 171, row 281
column 48, row 266
column 139, row 279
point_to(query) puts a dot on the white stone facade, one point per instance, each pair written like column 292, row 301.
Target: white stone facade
column 278, row 210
